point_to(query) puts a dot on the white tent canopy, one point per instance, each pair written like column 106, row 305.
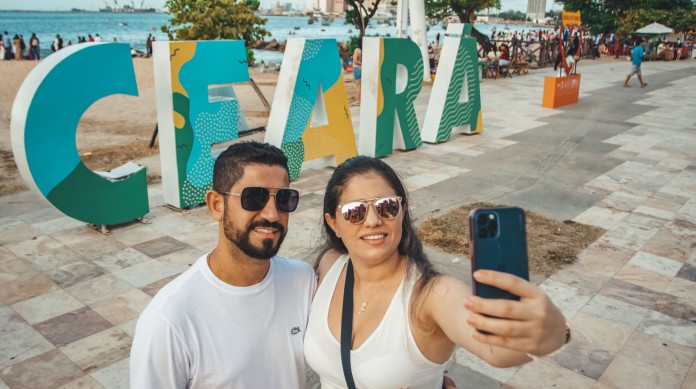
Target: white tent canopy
column 655, row 28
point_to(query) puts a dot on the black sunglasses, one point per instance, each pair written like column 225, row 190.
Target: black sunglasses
column 254, row 198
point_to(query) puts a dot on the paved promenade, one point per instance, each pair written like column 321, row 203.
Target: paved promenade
column 621, row 159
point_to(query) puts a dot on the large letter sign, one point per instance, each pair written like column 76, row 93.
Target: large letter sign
column 455, row 101
column 191, row 117
column 45, row 115
column 392, row 79
column 310, row 117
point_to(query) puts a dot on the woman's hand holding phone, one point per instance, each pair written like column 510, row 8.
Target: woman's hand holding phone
column 531, row 325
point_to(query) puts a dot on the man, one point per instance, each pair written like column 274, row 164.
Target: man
column 148, row 45
column 7, row 44
column 97, row 38
column 237, row 317
column 595, row 45
column 57, row 43
column 34, row 47
column 357, row 68
column 638, row 54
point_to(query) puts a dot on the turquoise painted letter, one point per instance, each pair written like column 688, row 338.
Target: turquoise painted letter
column 45, row 115
column 196, row 109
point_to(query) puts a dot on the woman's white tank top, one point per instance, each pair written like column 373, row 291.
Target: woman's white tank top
column 388, row 359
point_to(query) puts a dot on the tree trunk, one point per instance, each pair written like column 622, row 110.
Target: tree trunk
column 465, row 17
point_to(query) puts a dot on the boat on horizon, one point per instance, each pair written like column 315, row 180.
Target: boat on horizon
column 125, row 8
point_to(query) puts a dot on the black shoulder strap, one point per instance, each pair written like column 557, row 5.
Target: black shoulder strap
column 347, row 326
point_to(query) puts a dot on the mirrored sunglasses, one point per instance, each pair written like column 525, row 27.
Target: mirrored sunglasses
column 387, row 208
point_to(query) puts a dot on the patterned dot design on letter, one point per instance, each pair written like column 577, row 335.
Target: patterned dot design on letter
column 311, row 49
column 208, row 129
column 325, row 141
column 295, row 153
column 298, row 118
column 193, row 195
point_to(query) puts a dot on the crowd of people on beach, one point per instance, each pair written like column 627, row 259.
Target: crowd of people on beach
column 597, row 45
column 15, row 48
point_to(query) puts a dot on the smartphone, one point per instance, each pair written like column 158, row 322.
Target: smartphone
column 498, row 242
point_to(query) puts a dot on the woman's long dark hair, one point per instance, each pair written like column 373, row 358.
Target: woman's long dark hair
column 409, row 246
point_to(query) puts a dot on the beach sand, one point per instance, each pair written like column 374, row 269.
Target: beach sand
column 118, row 128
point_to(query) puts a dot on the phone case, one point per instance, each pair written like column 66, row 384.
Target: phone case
column 498, row 242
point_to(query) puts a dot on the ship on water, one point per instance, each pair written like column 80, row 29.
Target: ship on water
column 125, row 8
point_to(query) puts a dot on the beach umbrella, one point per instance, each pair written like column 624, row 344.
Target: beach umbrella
column 655, row 28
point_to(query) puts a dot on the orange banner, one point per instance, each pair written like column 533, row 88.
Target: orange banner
column 571, row 18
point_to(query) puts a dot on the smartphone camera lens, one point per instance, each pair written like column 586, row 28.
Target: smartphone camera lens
column 493, row 225
column 482, row 219
column 483, row 234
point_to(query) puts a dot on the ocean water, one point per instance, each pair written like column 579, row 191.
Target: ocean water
column 134, row 28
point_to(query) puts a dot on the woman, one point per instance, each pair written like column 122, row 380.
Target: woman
column 19, row 52
column 407, row 318
column 504, row 55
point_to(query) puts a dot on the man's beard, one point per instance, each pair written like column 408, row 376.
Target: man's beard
column 241, row 238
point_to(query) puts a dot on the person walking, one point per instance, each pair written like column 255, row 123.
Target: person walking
column 638, row 54
column 35, row 47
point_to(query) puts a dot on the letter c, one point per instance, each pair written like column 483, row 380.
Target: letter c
column 45, row 115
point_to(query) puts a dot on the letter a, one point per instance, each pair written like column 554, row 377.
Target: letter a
column 310, row 117
column 455, row 101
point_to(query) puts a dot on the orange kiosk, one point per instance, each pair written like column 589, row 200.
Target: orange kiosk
column 564, row 90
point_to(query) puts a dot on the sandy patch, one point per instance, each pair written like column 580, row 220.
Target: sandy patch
column 552, row 244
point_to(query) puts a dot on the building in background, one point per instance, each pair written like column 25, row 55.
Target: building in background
column 536, row 11
column 339, row 6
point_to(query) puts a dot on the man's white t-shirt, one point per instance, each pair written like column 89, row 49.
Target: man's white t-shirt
column 200, row 332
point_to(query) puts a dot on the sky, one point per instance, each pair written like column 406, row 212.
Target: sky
column 93, row 5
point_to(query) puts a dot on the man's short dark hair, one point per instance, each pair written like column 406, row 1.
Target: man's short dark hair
column 229, row 166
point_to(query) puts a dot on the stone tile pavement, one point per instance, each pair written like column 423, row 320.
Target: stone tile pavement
column 620, row 159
